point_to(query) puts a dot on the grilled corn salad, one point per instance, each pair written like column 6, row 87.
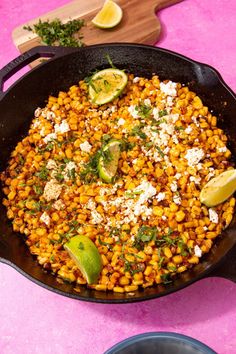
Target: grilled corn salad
column 147, row 223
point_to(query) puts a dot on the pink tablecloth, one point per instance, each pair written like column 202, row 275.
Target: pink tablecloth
column 34, row 320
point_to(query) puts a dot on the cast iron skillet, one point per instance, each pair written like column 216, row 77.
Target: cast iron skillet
column 67, row 67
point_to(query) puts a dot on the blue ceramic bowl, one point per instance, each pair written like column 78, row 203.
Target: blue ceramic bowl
column 160, row 343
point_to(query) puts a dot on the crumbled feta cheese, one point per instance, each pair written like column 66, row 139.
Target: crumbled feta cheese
column 194, row 155
column 174, row 186
column 52, row 190
column 42, row 131
column 45, row 218
column 210, row 174
column 205, row 228
column 197, row 251
column 147, row 189
column 133, row 111
column 147, row 101
column 195, row 179
column 96, row 217
column 169, row 101
column 169, row 89
column 62, row 128
column 164, row 217
column 36, row 123
column 175, row 139
column 121, row 121
column 68, row 171
column 58, row 204
column 50, row 115
column 155, row 112
column 113, row 109
column 177, row 199
column 136, row 79
column 85, row 147
column 188, row 130
column 160, row 196
column 199, row 166
column 51, row 164
column 91, row 204
column 222, row 149
column 49, row 137
column 194, row 119
column 37, row 112
column 213, row 216
column 71, row 165
column 177, row 175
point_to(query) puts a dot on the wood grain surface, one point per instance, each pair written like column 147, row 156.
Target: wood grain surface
column 139, row 23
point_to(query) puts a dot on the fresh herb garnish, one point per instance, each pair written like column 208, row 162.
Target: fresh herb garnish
column 162, row 113
column 166, row 278
column 145, row 234
column 43, row 173
column 132, row 194
column 144, row 110
column 107, row 56
column 21, row 159
column 38, row 189
column 160, row 151
column 90, row 172
column 81, row 246
column 102, row 243
column 179, row 128
column 57, row 33
column 137, row 130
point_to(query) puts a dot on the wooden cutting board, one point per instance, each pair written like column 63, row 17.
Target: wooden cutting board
column 139, row 23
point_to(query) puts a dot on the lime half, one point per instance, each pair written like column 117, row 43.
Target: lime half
column 106, row 85
column 85, row 254
column 108, row 162
column 219, row 188
column 109, row 16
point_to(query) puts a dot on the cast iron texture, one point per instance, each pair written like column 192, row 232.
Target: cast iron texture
column 69, row 66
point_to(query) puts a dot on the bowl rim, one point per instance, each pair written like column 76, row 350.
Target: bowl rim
column 160, row 335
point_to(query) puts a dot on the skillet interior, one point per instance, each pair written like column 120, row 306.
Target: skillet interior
column 17, row 107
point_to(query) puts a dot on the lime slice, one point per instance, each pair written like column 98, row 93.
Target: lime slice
column 109, row 16
column 84, row 252
column 106, row 85
column 108, row 162
column 219, row 188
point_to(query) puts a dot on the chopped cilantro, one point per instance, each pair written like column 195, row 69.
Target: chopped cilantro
column 57, row 33
column 81, row 246
column 179, row 128
column 160, row 151
column 38, row 189
column 162, row 113
column 43, row 173
column 144, row 110
column 166, row 278
column 137, row 130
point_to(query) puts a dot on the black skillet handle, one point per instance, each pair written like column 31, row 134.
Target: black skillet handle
column 227, row 267
column 28, row 57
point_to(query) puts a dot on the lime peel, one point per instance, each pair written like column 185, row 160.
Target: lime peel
column 86, row 256
column 219, row 188
column 106, row 85
column 107, row 169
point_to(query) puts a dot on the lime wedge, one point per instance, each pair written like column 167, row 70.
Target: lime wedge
column 85, row 254
column 219, row 188
column 106, row 85
column 109, row 16
column 108, row 162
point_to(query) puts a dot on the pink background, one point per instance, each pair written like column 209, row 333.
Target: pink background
column 34, row 320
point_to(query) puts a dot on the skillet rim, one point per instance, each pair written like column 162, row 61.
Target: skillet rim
column 63, row 52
